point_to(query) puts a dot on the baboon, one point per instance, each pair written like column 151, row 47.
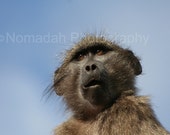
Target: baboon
column 97, row 82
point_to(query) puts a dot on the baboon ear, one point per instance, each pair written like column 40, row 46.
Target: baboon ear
column 56, row 85
column 134, row 61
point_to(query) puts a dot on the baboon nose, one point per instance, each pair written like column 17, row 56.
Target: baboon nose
column 90, row 67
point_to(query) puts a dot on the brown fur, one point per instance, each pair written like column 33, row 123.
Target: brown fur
column 110, row 107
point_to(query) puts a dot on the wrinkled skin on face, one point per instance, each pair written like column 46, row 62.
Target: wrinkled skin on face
column 94, row 74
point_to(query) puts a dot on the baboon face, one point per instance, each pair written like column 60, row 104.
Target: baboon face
column 94, row 74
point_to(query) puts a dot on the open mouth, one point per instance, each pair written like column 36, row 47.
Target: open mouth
column 92, row 83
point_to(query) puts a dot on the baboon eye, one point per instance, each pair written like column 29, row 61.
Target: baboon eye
column 99, row 52
column 80, row 57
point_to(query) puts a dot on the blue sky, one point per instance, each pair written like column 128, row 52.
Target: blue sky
column 35, row 34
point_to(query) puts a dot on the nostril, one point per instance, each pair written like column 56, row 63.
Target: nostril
column 90, row 67
column 87, row 68
column 93, row 67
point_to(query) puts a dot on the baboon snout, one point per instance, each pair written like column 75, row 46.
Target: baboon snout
column 92, row 73
column 90, row 67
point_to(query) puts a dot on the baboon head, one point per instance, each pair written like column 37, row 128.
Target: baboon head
column 95, row 72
